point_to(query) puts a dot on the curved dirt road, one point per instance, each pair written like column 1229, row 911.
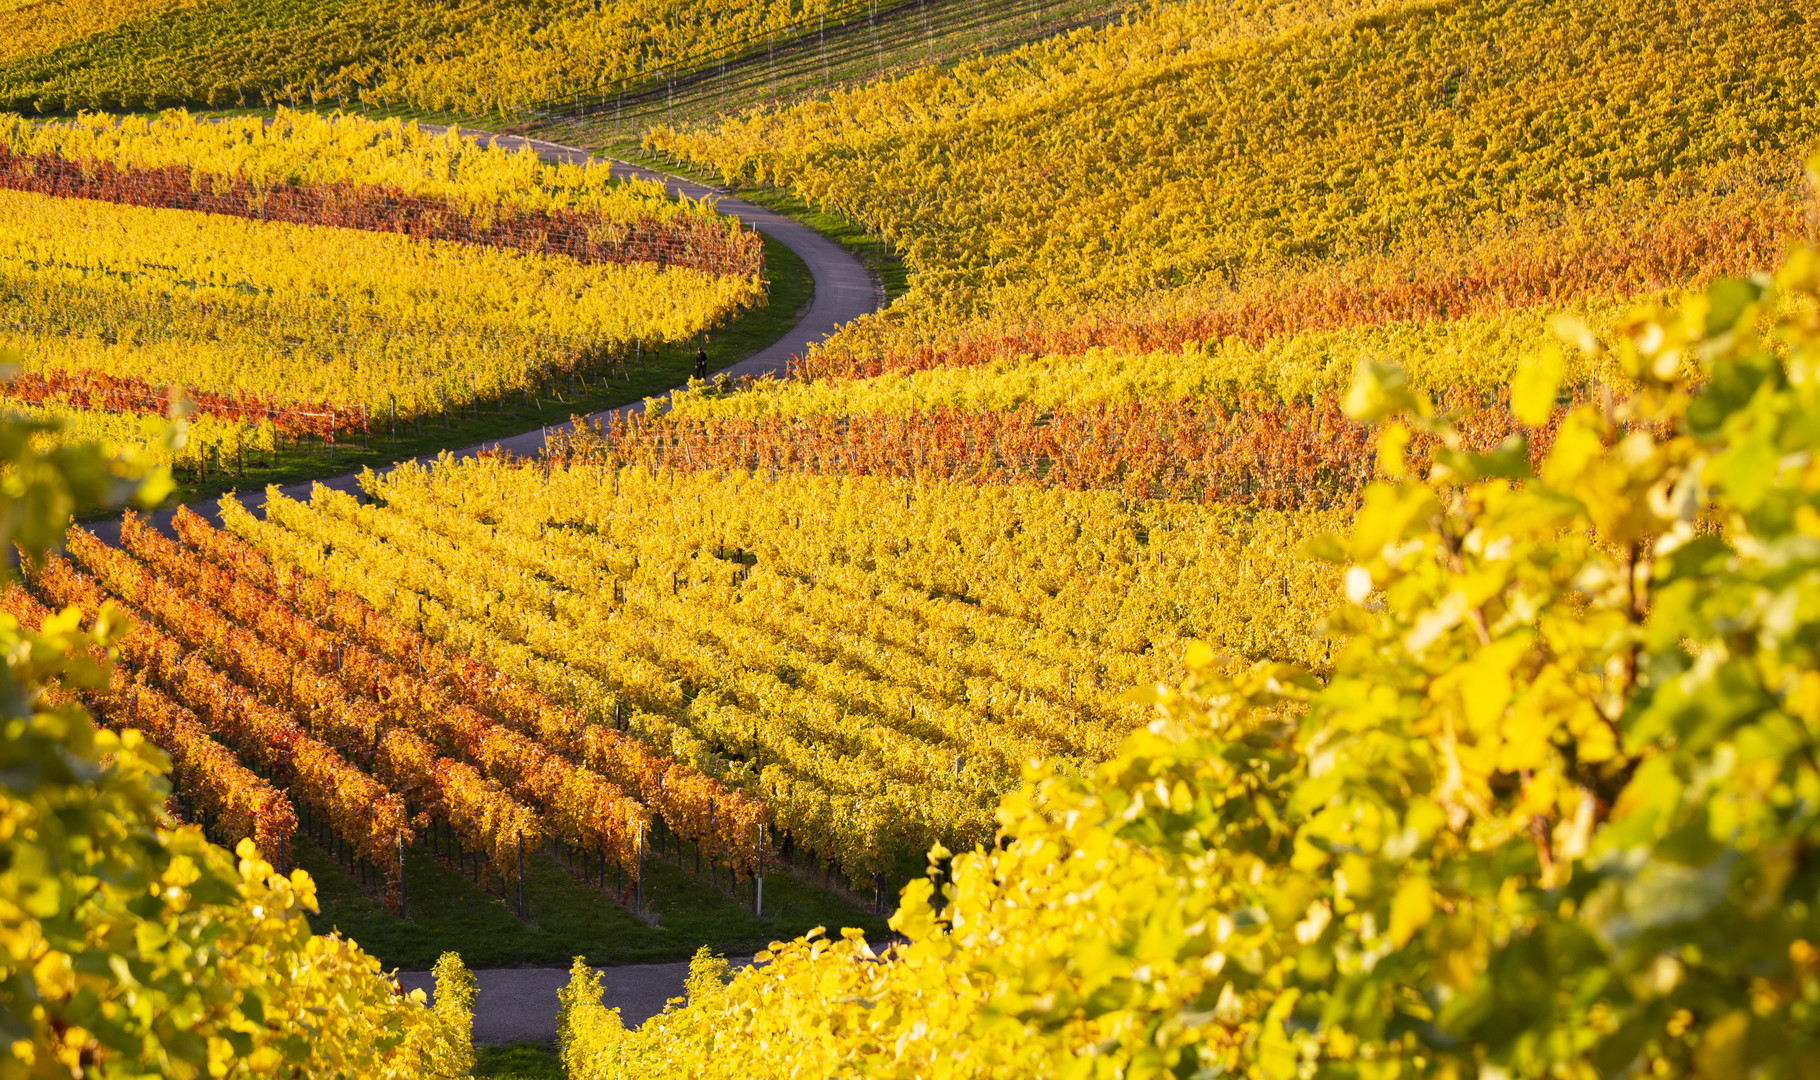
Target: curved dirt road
column 517, row 1005
column 843, row 292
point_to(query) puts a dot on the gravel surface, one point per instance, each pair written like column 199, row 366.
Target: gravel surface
column 519, row 1004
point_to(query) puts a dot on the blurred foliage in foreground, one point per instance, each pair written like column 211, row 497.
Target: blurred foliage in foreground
column 129, row 945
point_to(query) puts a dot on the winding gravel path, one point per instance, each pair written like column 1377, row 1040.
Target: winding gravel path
column 843, row 292
column 519, row 1004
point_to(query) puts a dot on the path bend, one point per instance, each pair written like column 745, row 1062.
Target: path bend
column 844, row 291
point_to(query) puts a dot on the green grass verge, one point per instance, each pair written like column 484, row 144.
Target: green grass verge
column 878, row 257
column 517, row 1061
column 792, row 289
column 447, row 912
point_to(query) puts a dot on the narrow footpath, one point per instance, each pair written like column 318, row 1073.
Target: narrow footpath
column 520, row 1004
column 843, row 292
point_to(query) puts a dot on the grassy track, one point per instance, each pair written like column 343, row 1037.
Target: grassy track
column 566, row 917
column 519, row 1061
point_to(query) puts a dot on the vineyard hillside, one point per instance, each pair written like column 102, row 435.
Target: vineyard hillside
column 1306, row 571
column 620, row 62
column 1193, row 170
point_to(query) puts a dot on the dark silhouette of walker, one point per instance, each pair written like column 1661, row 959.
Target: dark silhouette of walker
column 701, row 363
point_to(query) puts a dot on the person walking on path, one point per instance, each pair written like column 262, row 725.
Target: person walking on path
column 701, row 364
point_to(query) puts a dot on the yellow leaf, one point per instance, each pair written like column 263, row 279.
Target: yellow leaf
column 1392, row 445
column 1573, row 330
column 1410, row 909
column 1722, row 1049
column 1486, row 687
column 1533, row 387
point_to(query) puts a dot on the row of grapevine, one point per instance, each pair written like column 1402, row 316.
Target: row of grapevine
column 200, row 441
column 324, row 280
column 698, row 243
column 1550, row 812
column 576, row 804
column 510, row 717
column 305, row 150
column 129, row 944
column 1259, row 451
column 92, row 391
column 878, row 661
column 476, row 56
column 482, row 814
column 357, row 810
column 1276, row 317
column 718, row 822
column 1479, row 353
column 28, row 29
column 497, row 762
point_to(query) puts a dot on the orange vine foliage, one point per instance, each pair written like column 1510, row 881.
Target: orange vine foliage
column 240, row 803
column 597, row 786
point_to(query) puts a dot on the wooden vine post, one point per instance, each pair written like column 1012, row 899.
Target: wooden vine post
column 758, row 898
column 521, row 873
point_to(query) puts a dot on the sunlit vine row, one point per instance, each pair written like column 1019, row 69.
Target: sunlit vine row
column 467, row 56
column 28, row 28
column 1498, row 275
column 357, row 319
column 576, row 804
column 1479, row 352
column 519, row 730
column 309, row 150
column 204, row 438
column 1259, row 450
column 715, row 245
column 482, row 813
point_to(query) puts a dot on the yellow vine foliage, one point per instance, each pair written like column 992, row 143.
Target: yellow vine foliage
column 129, row 945
column 1552, row 813
column 354, row 317
column 539, row 53
column 1166, row 152
column 29, row 27
column 876, row 660
column 1476, row 352
column 301, row 147
column 466, row 56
